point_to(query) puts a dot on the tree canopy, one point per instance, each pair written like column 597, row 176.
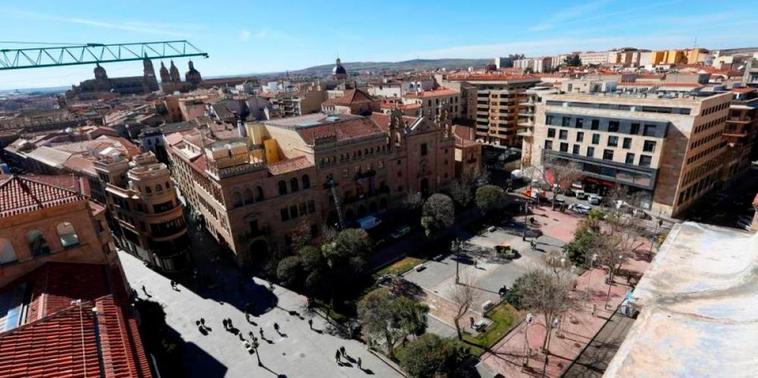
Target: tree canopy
column 388, row 318
column 490, row 198
column 438, row 213
column 430, row 355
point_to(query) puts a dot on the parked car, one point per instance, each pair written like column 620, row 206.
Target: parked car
column 580, row 208
column 594, row 199
column 580, row 194
column 400, row 232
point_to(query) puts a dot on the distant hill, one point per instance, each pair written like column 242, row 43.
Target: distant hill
column 408, row 65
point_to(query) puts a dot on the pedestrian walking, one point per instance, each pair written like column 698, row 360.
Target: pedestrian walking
column 310, row 323
column 276, row 326
column 202, row 321
column 594, row 308
column 337, row 356
column 226, row 325
column 359, row 363
column 261, row 332
column 342, row 350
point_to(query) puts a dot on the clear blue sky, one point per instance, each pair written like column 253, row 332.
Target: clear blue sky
column 264, row 36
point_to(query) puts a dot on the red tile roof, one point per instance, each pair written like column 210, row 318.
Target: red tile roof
column 351, row 96
column 742, row 90
column 24, row 194
column 289, row 165
column 347, row 129
column 383, row 120
column 434, row 93
column 76, row 320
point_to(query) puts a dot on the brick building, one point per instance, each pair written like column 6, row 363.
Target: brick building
column 281, row 179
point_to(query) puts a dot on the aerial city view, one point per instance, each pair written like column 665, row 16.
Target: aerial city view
column 389, row 189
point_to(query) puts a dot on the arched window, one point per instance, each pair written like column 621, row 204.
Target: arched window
column 158, row 188
column 248, row 196
column 306, row 182
column 282, row 187
column 67, row 234
column 148, row 190
column 259, row 193
column 7, row 253
column 37, row 243
column 236, row 199
column 294, row 185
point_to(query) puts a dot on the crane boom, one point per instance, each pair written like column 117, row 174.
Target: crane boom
column 38, row 57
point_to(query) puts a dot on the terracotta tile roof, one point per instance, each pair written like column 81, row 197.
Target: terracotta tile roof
column 434, row 93
column 351, row 96
column 24, row 194
column 383, row 120
column 351, row 128
column 64, row 337
column 289, row 165
column 742, row 90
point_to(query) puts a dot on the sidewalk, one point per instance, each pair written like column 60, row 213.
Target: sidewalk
column 576, row 330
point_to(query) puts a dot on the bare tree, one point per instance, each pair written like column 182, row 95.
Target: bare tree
column 413, row 201
column 548, row 292
column 464, row 296
column 618, row 241
column 564, row 173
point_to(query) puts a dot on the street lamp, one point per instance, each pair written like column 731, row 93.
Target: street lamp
column 255, row 347
column 589, row 278
column 529, row 319
column 526, row 213
column 456, row 247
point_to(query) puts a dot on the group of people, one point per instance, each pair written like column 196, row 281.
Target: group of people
column 342, row 353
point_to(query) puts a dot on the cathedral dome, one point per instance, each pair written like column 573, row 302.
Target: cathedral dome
column 338, row 69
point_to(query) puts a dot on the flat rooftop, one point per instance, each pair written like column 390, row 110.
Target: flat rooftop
column 697, row 308
column 636, row 98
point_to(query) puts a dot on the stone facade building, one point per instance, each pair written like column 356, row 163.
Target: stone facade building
column 147, row 216
column 284, row 179
column 49, row 219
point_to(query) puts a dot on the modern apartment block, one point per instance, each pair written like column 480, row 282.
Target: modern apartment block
column 669, row 150
column 740, row 132
column 526, row 119
column 499, row 99
column 148, row 219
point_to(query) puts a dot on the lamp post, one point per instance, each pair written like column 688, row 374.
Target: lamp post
column 255, row 347
column 456, row 247
column 526, row 213
column 529, row 318
column 589, row 278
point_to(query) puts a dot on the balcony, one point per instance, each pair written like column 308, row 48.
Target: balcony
column 739, row 120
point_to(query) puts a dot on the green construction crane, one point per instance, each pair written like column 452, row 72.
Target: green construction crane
column 37, row 57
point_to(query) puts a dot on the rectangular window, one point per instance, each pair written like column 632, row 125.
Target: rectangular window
column 580, row 136
column 627, row 143
column 595, row 124
column 563, row 134
column 649, row 146
column 613, row 126
column 424, row 149
column 613, row 141
column 293, row 212
column 575, row 149
column 548, row 120
column 564, row 147
column 566, row 121
column 595, row 138
column 645, row 160
column 635, row 129
column 607, row 154
column 649, row 130
column 551, row 133
column 590, row 152
column 629, row 158
column 285, row 214
column 579, row 122
column 548, row 144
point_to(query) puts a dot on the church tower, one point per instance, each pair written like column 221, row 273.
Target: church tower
column 149, row 82
column 193, row 76
column 165, row 78
column 174, row 73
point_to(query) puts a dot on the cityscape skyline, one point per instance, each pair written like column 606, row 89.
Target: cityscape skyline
column 241, row 46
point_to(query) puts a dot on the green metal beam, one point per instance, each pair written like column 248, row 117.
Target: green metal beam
column 38, row 57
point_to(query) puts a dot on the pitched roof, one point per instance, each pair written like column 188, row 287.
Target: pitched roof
column 77, row 325
column 351, row 96
column 23, row 194
column 351, row 128
column 289, row 165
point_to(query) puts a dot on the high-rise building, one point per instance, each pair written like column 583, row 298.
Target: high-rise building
column 740, row 132
column 498, row 99
column 668, row 150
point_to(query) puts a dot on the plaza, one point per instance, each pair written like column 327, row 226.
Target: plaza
column 298, row 351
